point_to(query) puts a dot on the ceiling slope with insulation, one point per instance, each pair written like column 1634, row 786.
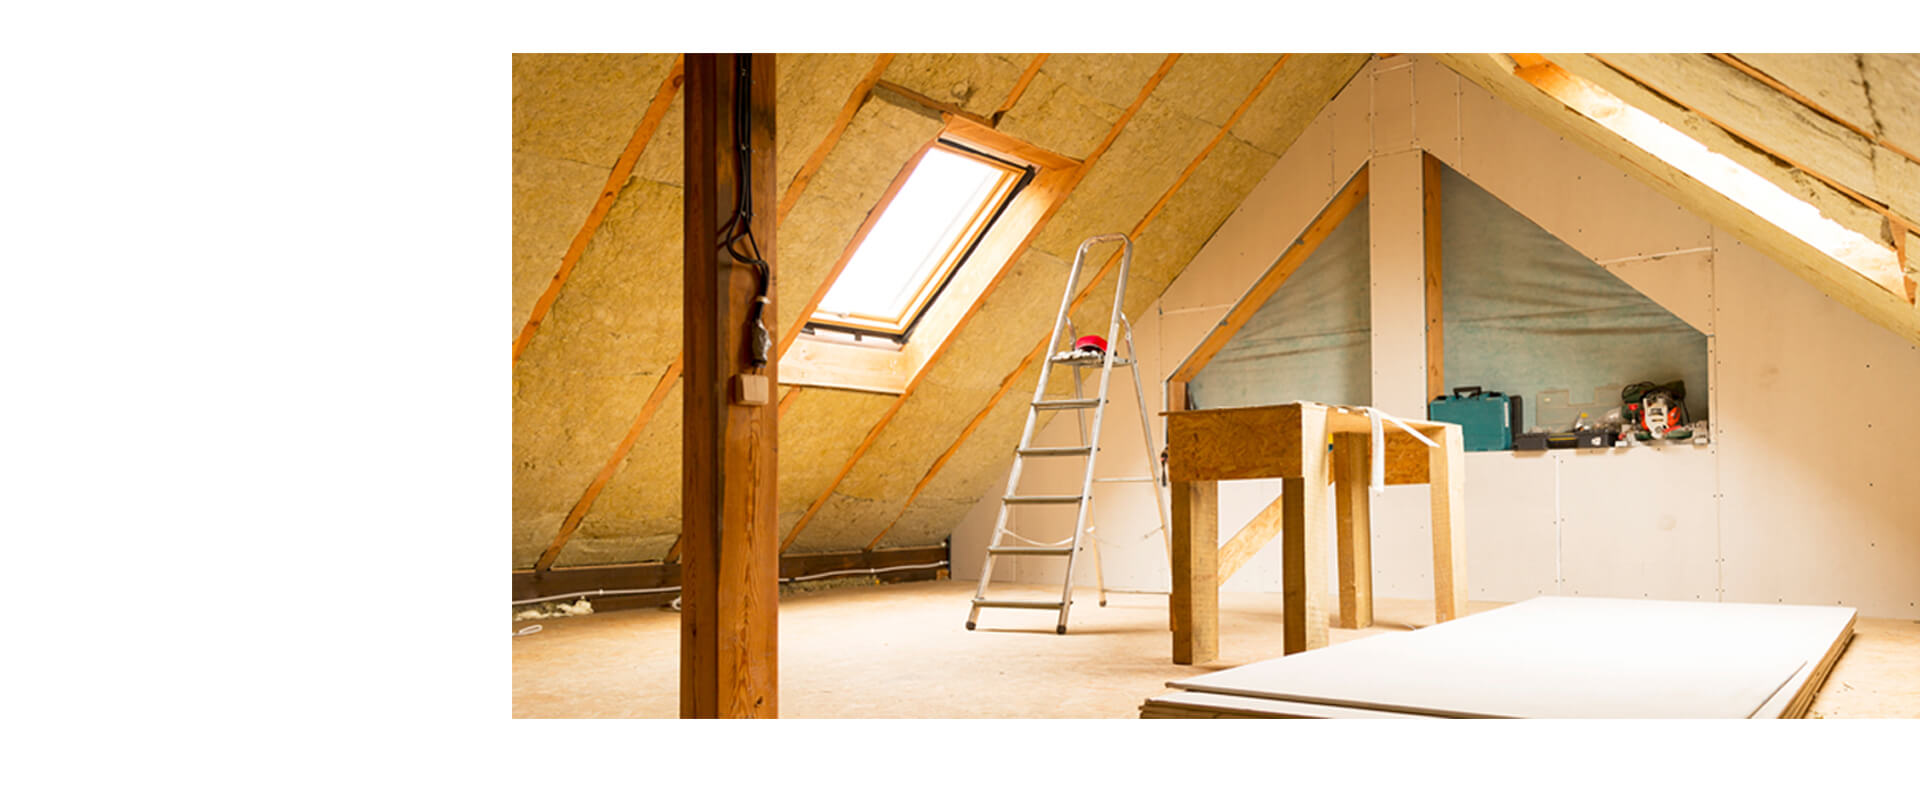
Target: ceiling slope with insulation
column 1149, row 125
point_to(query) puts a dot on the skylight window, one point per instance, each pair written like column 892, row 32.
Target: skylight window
column 922, row 235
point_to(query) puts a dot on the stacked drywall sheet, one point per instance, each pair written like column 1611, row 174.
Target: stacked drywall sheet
column 1549, row 657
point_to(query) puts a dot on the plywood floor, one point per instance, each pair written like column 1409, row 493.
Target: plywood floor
column 901, row 651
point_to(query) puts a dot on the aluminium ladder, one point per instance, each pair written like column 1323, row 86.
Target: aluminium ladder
column 1118, row 330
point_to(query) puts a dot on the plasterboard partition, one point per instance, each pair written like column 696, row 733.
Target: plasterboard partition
column 1817, row 433
column 1804, row 495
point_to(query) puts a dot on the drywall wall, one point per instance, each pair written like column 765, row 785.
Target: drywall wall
column 1802, row 496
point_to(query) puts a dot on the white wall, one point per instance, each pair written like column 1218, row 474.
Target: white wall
column 1806, row 494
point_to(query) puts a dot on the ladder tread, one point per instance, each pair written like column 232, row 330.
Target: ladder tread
column 1049, row 405
column 1089, row 360
column 1055, row 451
column 1041, row 498
column 1026, row 550
column 985, row 603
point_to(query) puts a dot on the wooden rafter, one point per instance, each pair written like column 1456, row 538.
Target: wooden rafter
column 1329, row 218
column 1750, row 140
column 622, row 169
column 873, row 434
column 1006, row 383
column 1020, row 87
column 924, row 101
column 1734, row 61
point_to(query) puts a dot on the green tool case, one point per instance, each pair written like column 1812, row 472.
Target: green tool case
column 1489, row 419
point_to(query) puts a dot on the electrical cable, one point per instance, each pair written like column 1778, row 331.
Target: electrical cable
column 760, row 349
column 661, row 589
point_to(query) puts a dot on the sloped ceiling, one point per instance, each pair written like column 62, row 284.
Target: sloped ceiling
column 1174, row 142
column 1833, row 130
column 1161, row 167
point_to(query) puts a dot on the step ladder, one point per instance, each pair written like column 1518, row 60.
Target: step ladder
column 1119, row 331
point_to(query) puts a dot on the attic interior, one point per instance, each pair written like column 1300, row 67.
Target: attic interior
column 1210, row 385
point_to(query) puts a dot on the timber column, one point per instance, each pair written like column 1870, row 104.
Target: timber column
column 730, row 562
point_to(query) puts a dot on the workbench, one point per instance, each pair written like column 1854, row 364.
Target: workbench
column 1291, row 442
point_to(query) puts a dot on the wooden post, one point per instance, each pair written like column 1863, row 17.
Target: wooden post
column 1303, row 539
column 1195, row 600
column 1436, row 318
column 730, row 554
column 1447, row 481
column 1352, row 463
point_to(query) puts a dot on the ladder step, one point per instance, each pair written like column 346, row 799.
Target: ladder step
column 1016, row 603
column 1088, row 360
column 1027, row 499
column 1030, row 551
column 1054, row 451
column 1051, row 405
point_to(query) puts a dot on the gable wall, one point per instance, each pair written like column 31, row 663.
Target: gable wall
column 1803, row 496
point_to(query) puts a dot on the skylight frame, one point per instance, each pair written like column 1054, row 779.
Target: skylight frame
column 1013, row 177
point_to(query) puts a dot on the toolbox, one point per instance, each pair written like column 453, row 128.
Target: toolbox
column 1488, row 419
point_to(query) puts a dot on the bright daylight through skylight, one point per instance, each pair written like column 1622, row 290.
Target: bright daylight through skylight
column 921, row 234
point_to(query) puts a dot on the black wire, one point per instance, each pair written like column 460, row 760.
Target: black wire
column 760, row 349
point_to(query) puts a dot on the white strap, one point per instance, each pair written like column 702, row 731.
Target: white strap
column 1375, row 417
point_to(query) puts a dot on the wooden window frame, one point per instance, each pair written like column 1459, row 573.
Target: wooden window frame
column 1013, row 177
column 887, row 365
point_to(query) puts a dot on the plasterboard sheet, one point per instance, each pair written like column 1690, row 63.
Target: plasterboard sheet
column 1585, row 202
column 1681, row 283
column 1350, row 114
column 1512, row 541
column 1557, row 657
column 1639, row 522
column 1392, row 105
column 1817, row 512
column 1436, row 109
column 1398, row 298
column 1202, row 705
column 1402, row 519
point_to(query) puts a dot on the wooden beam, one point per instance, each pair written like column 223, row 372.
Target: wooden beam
column 1006, row 383
column 1448, row 466
column 585, row 503
column 730, row 567
column 873, row 434
column 1020, row 87
column 1330, row 217
column 916, row 98
column 1436, row 323
column 1195, row 600
column 622, row 169
column 1303, row 537
column 1250, row 538
column 1353, row 526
